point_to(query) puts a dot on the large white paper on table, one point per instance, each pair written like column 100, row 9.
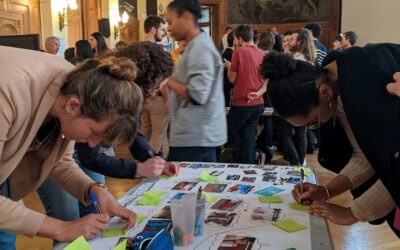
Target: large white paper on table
column 266, row 235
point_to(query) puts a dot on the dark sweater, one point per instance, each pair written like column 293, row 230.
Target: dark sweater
column 373, row 114
column 93, row 158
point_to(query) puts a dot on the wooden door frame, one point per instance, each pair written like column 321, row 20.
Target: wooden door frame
column 217, row 25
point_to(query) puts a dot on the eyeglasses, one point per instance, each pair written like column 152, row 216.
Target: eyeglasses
column 304, row 84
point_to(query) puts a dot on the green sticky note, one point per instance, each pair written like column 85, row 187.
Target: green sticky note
column 121, row 245
column 149, row 201
column 206, row 177
column 140, row 218
column 270, row 199
column 307, row 171
column 289, row 225
column 210, row 198
column 112, row 232
column 164, row 176
column 79, row 244
column 154, row 193
column 297, row 206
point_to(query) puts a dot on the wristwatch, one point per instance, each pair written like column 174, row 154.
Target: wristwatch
column 99, row 184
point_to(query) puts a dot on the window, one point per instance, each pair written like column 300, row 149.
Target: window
column 205, row 22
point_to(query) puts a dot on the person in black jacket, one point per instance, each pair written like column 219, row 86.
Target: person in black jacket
column 360, row 132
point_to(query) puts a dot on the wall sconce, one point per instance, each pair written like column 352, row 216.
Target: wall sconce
column 116, row 19
column 67, row 5
column 161, row 9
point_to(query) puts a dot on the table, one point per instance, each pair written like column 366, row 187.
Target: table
column 267, row 236
column 267, row 111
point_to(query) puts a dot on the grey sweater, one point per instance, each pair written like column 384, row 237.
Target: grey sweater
column 200, row 121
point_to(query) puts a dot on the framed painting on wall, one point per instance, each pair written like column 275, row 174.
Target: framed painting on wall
column 278, row 11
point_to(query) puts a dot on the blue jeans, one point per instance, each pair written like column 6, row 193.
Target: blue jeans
column 242, row 126
column 61, row 205
column 7, row 239
column 294, row 142
column 198, row 154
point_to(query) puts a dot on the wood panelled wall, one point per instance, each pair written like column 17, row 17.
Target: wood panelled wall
column 18, row 17
column 330, row 28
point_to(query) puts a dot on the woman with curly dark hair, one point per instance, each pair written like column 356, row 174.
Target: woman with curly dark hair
column 350, row 99
column 155, row 65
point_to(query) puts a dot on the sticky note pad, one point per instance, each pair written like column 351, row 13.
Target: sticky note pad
column 297, row 206
column 206, row 177
column 307, row 171
column 210, row 198
column 289, row 225
column 164, row 176
column 149, row 201
column 121, row 245
column 112, row 232
column 140, row 218
column 154, row 193
column 79, row 244
column 270, row 199
column 269, row 191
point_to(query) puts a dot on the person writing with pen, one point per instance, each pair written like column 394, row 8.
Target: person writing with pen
column 97, row 161
column 46, row 104
column 354, row 100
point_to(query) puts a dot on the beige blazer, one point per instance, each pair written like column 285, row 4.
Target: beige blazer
column 29, row 84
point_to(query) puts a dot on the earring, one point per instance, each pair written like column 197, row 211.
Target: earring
column 330, row 101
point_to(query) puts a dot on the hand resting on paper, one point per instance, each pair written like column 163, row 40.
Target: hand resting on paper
column 334, row 213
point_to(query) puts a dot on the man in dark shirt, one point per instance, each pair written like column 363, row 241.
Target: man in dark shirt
column 227, row 55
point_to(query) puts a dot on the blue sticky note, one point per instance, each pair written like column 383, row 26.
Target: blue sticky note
column 269, row 191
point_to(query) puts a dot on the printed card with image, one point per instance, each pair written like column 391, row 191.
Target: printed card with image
column 248, row 179
column 185, row 186
column 232, row 166
column 269, row 178
column 269, row 173
column 236, row 242
column 216, row 173
column 249, row 171
column 240, row 188
column 269, row 191
column 215, row 188
column 227, row 204
column 195, row 165
column 220, row 218
column 233, row 177
column 293, row 180
column 265, row 214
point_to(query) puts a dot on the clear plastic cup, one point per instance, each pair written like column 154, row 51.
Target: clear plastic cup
column 183, row 213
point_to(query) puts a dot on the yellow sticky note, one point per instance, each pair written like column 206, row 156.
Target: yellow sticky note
column 112, row 232
column 149, row 201
column 154, row 193
column 164, row 176
column 140, row 218
column 270, row 199
column 210, row 198
column 206, row 177
column 297, row 206
column 79, row 244
column 307, row 171
column 121, row 245
column 289, row 225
